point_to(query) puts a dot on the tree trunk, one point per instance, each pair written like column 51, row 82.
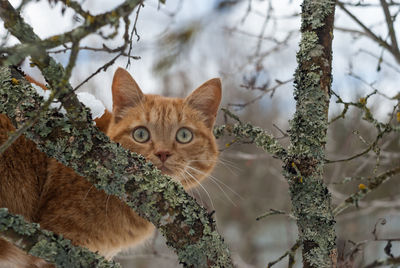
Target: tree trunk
column 304, row 164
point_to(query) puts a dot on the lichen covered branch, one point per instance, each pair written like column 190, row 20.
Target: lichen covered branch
column 47, row 245
column 249, row 133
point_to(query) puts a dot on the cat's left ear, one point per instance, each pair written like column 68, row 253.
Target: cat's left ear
column 206, row 99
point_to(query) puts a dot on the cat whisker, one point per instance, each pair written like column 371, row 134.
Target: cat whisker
column 199, row 183
column 211, row 176
column 87, row 192
column 108, row 198
column 224, row 161
column 228, row 166
column 230, row 163
column 217, row 181
column 190, row 190
column 199, row 196
column 222, row 190
column 185, row 179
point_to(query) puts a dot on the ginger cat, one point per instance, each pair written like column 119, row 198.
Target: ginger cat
column 175, row 134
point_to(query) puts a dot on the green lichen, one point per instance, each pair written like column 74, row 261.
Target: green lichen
column 255, row 134
column 308, row 43
column 304, row 168
column 47, row 245
column 314, row 13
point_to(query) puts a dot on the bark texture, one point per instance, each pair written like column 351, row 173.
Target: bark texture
column 47, row 245
column 304, row 164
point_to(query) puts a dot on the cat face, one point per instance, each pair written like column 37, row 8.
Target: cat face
column 174, row 134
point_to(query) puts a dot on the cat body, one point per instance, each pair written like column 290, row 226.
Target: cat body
column 175, row 134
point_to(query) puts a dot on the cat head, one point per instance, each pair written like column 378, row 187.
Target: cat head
column 175, row 134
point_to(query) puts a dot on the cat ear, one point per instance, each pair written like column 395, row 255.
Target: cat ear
column 206, row 99
column 125, row 92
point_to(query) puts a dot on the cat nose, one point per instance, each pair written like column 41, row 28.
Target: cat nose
column 163, row 155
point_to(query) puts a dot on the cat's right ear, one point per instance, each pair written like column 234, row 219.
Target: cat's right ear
column 206, row 99
column 125, row 92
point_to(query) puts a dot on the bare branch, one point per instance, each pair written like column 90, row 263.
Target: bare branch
column 291, row 252
column 372, row 184
column 384, row 262
column 372, row 35
column 389, row 21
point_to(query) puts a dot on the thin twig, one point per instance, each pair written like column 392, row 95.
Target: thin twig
column 134, row 31
column 76, row 7
column 392, row 33
column 372, row 35
column 15, row 135
column 372, row 184
column 103, row 67
column 264, row 90
column 72, row 60
column 271, row 212
column 291, row 252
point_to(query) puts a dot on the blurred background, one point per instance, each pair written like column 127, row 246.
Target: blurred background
column 251, row 45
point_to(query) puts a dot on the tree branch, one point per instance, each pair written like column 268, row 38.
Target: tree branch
column 395, row 48
column 47, row 245
column 256, row 135
column 372, row 35
column 373, row 183
column 385, row 262
column 290, row 252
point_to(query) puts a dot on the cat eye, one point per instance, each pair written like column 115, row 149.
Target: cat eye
column 141, row 134
column 184, row 135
